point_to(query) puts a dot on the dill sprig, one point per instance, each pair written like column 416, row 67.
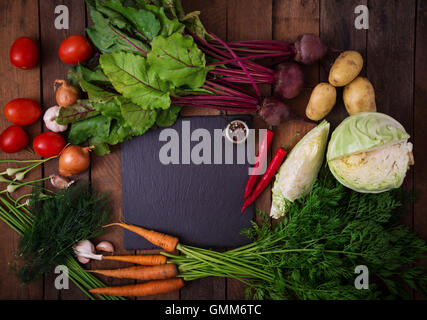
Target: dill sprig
column 70, row 215
column 312, row 253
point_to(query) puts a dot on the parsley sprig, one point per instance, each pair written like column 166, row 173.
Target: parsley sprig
column 312, row 253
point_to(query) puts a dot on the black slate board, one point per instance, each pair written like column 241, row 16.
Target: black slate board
column 200, row 204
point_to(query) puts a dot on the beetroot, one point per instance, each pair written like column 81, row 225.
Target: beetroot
column 289, row 80
column 229, row 97
column 309, row 49
column 274, row 111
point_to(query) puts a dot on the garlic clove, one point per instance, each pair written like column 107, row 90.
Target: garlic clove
column 105, row 246
column 60, row 182
column 83, row 259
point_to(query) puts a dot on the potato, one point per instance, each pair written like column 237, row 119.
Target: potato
column 321, row 102
column 359, row 96
column 345, row 68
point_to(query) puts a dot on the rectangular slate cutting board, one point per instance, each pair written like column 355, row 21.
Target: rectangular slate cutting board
column 200, row 204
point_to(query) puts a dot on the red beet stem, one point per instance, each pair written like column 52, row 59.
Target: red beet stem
column 217, row 107
column 236, row 91
column 219, row 103
column 257, row 67
column 216, row 91
column 257, row 56
column 266, row 42
column 228, row 85
column 266, row 78
column 207, row 98
column 239, row 62
column 261, row 49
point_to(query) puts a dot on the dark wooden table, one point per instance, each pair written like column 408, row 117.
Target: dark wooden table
column 394, row 49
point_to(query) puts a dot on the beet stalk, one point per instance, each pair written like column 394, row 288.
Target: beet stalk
column 272, row 109
column 288, row 80
column 307, row 49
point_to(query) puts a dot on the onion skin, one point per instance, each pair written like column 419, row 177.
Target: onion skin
column 74, row 160
column 66, row 94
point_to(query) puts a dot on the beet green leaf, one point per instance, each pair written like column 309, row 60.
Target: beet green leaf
column 132, row 77
column 140, row 120
column 144, row 21
column 178, row 60
column 108, row 38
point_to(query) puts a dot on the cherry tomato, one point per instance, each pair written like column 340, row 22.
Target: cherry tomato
column 48, row 144
column 75, row 49
column 13, row 139
column 24, row 53
column 22, row 111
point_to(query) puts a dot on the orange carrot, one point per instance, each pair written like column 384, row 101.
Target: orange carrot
column 164, row 271
column 145, row 260
column 142, row 289
column 161, row 240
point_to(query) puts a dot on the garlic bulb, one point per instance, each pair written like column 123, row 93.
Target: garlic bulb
column 85, row 251
column 49, row 119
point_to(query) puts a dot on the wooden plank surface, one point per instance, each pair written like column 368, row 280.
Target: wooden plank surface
column 53, row 68
column 395, row 62
column 18, row 18
column 242, row 19
column 420, row 129
column 213, row 15
column 340, row 35
column 105, row 179
column 290, row 19
column 390, row 48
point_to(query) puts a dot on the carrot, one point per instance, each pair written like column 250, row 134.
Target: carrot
column 164, row 271
column 142, row 289
column 161, row 240
column 145, row 260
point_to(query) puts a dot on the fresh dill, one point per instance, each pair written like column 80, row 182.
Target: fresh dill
column 70, row 215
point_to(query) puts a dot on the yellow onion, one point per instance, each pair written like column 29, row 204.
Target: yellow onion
column 66, row 94
column 74, row 160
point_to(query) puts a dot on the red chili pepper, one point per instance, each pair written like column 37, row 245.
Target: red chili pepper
column 266, row 178
column 259, row 164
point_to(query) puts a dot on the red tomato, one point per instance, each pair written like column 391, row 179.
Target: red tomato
column 75, row 49
column 48, row 144
column 22, row 112
column 13, row 139
column 24, row 53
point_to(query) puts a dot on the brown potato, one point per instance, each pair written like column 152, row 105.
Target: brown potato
column 322, row 100
column 359, row 96
column 345, row 68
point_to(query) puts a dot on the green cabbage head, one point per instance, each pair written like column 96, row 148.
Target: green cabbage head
column 297, row 174
column 369, row 152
